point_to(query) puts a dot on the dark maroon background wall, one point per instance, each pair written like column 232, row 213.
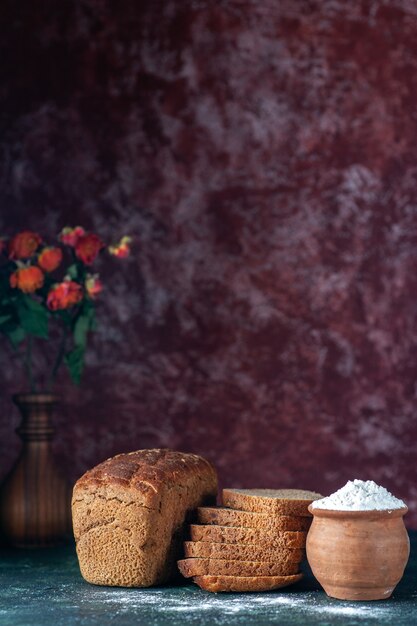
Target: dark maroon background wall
column 264, row 155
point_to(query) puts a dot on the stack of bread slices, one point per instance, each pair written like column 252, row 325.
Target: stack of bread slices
column 255, row 542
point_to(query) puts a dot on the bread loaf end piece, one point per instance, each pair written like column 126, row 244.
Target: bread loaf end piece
column 129, row 514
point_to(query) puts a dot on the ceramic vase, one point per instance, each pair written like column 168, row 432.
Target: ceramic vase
column 35, row 498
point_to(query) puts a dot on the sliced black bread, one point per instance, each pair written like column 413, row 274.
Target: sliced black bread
column 247, row 552
column 244, row 583
column 222, row 516
column 272, row 501
column 222, row 567
column 231, row 534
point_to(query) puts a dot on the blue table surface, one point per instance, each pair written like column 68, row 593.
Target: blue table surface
column 44, row 587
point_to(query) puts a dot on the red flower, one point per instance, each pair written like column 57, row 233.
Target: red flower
column 93, row 285
column 70, row 236
column 27, row 279
column 64, row 295
column 24, row 245
column 122, row 249
column 50, row 258
column 87, row 248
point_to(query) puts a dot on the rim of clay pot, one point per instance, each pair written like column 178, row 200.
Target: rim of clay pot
column 370, row 514
column 35, row 398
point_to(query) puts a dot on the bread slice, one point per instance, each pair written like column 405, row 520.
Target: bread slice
column 129, row 515
column 247, row 552
column 275, row 501
column 230, row 534
column 222, row 516
column 222, row 567
column 245, row 583
column 236, row 551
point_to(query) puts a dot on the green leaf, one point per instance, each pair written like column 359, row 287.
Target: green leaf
column 74, row 361
column 93, row 320
column 4, row 319
column 92, row 316
column 33, row 305
column 33, row 317
column 72, row 271
column 16, row 336
column 81, row 328
column 85, row 322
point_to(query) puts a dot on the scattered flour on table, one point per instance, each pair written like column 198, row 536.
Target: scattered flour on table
column 360, row 495
column 190, row 603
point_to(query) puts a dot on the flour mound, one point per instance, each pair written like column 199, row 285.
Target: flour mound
column 360, row 495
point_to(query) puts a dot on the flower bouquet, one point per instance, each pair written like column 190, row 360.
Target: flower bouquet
column 43, row 284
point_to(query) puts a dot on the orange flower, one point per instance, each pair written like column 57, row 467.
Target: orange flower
column 87, row 248
column 93, row 285
column 24, row 245
column 70, row 236
column 50, row 258
column 27, row 279
column 64, row 295
column 122, row 249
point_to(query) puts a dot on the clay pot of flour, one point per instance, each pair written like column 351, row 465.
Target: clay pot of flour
column 358, row 554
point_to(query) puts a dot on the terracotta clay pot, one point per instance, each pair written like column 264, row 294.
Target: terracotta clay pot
column 358, row 555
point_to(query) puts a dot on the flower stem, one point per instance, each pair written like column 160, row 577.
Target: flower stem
column 59, row 357
column 28, row 364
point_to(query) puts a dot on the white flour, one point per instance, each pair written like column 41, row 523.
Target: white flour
column 193, row 607
column 360, row 495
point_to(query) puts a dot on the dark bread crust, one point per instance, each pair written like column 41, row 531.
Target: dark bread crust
column 146, row 472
